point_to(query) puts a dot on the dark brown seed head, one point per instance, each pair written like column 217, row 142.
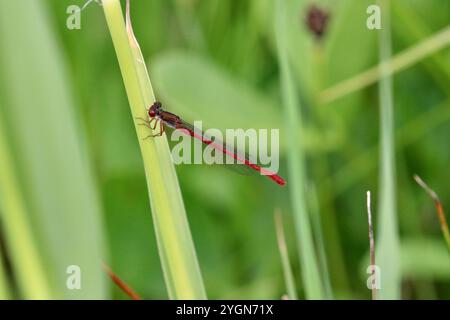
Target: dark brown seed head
column 317, row 20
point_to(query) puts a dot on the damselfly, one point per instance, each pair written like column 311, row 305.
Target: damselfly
column 159, row 116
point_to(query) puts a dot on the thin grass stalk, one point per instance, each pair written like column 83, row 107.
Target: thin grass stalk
column 284, row 255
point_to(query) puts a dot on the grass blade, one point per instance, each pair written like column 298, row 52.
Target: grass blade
column 51, row 157
column 392, row 65
column 176, row 248
column 406, row 135
column 320, row 241
column 371, row 246
column 389, row 247
column 287, row 270
column 440, row 211
column 297, row 178
column 26, row 261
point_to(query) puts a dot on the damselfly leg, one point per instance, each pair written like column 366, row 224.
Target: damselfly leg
column 148, row 123
column 161, row 128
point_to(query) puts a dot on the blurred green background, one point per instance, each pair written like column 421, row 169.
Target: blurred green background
column 73, row 179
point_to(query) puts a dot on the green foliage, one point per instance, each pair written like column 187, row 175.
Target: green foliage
column 296, row 160
column 388, row 239
column 82, row 183
column 49, row 153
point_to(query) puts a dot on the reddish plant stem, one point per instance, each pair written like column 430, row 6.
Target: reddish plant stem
column 122, row 285
column 439, row 209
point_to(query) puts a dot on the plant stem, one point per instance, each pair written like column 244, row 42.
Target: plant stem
column 439, row 209
column 389, row 244
column 176, row 249
column 309, row 266
column 120, row 283
column 287, row 270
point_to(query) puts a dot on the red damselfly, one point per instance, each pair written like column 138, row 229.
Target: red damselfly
column 159, row 116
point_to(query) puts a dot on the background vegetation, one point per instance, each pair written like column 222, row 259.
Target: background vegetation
column 72, row 182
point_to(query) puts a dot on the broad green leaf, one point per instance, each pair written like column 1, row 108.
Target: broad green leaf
column 53, row 166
